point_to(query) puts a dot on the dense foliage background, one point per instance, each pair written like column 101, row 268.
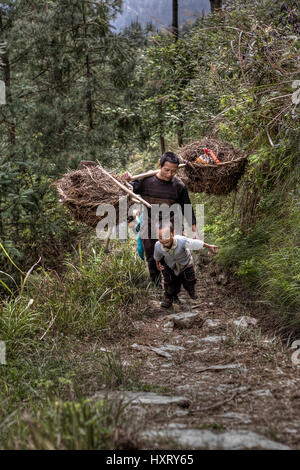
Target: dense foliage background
column 78, row 90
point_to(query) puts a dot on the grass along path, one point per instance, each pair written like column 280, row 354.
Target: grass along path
column 90, row 334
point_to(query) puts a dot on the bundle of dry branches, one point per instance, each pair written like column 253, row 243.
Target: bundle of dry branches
column 82, row 191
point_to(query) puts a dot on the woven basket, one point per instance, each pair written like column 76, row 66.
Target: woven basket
column 216, row 179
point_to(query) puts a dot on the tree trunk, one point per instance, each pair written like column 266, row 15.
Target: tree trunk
column 180, row 131
column 6, row 77
column 215, row 5
column 10, row 123
column 89, row 98
column 89, row 93
column 161, row 128
column 175, row 20
column 162, row 144
column 175, row 30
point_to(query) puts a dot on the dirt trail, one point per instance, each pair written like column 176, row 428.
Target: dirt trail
column 221, row 407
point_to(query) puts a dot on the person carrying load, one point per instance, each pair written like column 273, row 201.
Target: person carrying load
column 162, row 188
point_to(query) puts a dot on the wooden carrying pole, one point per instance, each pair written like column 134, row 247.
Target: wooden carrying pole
column 128, row 191
column 154, row 172
column 150, row 173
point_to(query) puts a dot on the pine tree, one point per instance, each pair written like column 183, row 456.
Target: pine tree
column 66, row 76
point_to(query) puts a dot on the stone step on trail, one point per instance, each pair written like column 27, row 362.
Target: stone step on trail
column 209, row 323
column 207, row 440
column 186, row 319
column 213, row 339
column 241, row 417
column 166, row 349
column 245, row 322
column 219, row 367
column 145, row 398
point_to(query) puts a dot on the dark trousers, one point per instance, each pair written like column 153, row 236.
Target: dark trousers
column 148, row 245
column 173, row 283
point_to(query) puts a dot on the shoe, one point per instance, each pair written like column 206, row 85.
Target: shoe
column 193, row 295
column 177, row 300
column 166, row 303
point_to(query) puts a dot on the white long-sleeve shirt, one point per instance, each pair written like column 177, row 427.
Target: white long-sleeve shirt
column 178, row 256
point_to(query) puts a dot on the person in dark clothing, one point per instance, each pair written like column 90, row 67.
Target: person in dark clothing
column 163, row 188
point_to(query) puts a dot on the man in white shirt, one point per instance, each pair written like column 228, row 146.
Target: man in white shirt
column 173, row 258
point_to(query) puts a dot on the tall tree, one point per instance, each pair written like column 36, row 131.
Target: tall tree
column 6, row 21
column 175, row 29
column 89, row 103
column 215, row 5
column 65, row 74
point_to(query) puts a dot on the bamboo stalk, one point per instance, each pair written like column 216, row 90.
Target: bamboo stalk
column 128, row 191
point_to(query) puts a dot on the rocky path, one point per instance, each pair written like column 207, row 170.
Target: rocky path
column 226, row 385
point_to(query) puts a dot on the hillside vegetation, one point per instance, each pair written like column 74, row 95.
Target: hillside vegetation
column 76, row 90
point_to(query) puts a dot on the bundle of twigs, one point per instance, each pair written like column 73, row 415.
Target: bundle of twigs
column 212, row 178
column 83, row 190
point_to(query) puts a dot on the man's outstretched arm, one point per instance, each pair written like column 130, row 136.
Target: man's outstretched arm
column 198, row 244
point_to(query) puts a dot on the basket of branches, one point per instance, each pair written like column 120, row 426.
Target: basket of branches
column 83, row 190
column 212, row 178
